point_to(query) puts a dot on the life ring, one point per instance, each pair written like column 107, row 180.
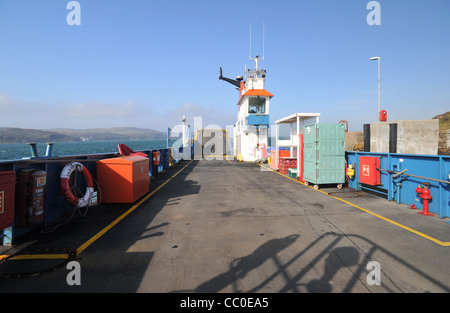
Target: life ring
column 65, row 184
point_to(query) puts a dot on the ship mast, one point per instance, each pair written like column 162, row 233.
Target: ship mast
column 257, row 59
column 251, row 130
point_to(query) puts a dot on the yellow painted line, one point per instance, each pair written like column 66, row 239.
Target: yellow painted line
column 98, row 235
column 37, row 257
column 40, row 256
column 120, row 218
column 439, row 242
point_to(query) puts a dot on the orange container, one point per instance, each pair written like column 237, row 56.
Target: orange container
column 124, row 179
column 273, row 157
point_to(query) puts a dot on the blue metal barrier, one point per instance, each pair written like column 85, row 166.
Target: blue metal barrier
column 431, row 169
column 55, row 204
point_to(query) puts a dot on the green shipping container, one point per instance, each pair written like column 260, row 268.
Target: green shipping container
column 324, row 154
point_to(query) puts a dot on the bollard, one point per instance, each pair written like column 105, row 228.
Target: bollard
column 33, row 149
column 48, row 152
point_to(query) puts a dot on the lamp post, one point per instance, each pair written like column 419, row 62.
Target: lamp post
column 379, row 86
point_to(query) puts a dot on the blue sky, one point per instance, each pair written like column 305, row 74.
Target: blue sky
column 146, row 63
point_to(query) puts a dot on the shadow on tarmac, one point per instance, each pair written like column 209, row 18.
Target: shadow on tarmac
column 334, row 256
column 327, row 255
column 111, row 267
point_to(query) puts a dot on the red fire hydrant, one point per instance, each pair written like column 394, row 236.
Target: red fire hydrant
column 424, row 194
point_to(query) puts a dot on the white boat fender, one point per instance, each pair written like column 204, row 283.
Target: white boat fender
column 68, row 169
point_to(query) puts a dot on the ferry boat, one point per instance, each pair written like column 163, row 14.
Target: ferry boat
column 142, row 221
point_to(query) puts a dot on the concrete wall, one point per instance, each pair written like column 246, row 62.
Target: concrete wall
column 418, row 137
column 379, row 137
column 413, row 137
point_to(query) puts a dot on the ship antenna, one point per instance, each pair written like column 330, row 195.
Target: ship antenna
column 250, row 41
column 257, row 59
column 263, row 40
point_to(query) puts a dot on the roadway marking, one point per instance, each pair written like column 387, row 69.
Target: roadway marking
column 134, row 207
column 439, row 242
column 40, row 257
column 98, row 235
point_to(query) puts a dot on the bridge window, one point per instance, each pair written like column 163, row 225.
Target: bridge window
column 257, row 105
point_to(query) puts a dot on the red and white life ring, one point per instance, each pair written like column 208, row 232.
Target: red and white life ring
column 65, row 184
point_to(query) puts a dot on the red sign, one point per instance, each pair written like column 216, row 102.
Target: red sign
column 369, row 170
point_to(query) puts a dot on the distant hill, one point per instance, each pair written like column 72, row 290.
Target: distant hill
column 21, row 135
column 444, row 121
column 444, row 133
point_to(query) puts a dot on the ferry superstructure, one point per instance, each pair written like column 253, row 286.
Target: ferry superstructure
column 251, row 130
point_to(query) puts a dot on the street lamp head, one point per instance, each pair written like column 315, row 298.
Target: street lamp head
column 374, row 58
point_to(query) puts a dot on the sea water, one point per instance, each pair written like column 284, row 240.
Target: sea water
column 15, row 151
